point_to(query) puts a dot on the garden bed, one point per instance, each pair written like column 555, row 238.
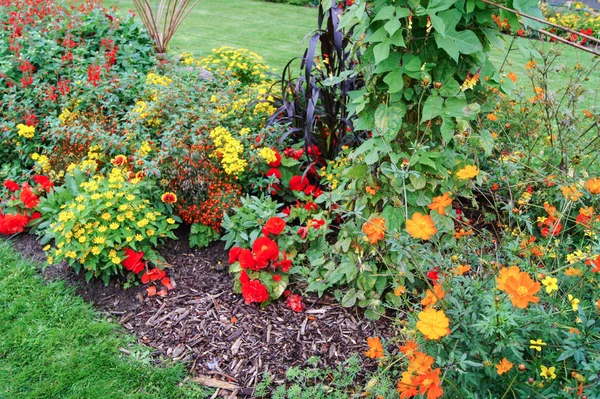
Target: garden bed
column 204, row 324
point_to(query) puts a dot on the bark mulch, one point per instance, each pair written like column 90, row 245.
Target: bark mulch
column 226, row 343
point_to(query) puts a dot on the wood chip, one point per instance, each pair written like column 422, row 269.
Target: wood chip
column 215, row 383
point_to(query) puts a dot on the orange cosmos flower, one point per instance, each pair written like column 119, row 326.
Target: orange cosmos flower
column 421, row 226
column 432, row 297
column 522, row 289
column 531, row 64
column 504, row 275
column 420, row 363
column 169, row 198
column 512, row 76
column 571, row 192
column 370, row 190
column 429, row 383
column 433, row 324
column 593, row 186
column 406, row 388
column 409, row 349
column 440, row 203
column 468, row 172
column 461, row 269
column 374, row 229
column 462, row 233
column 492, row 117
column 375, row 348
column 504, row 366
column 588, row 114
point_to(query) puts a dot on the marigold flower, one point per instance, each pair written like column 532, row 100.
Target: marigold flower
column 169, row 198
column 374, row 229
column 421, row 226
column 550, row 283
column 548, row 372
column 571, row 192
column 521, row 290
column 440, row 203
column 375, row 348
column 433, row 324
column 593, row 185
column 504, row 366
column 468, row 172
column 512, row 76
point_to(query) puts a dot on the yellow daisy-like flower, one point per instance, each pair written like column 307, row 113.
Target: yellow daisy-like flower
column 170, row 221
column 550, row 283
column 548, row 372
column 468, row 172
column 537, row 344
column 574, row 302
column 433, row 324
column 114, row 226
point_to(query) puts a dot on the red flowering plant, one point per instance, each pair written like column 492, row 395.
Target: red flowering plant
column 19, row 203
column 266, row 246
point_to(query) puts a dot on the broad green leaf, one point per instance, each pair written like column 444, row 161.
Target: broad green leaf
column 388, row 120
column 455, row 42
column 532, row 8
column 381, row 51
column 432, row 108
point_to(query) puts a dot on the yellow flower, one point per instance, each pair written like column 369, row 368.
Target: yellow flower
column 433, row 324
column 99, row 240
column 268, row 154
column 150, row 233
column 548, row 372
column 170, row 221
column 574, row 302
column 139, row 237
column 537, row 344
column 114, row 226
column 96, row 250
column 25, row 131
column 468, row 172
column 421, row 226
column 142, row 223
column 550, row 283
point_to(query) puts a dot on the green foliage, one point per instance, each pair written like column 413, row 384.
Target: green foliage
column 38, row 318
column 312, row 3
column 93, row 219
column 202, row 236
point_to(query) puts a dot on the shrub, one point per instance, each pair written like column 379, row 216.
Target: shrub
column 97, row 222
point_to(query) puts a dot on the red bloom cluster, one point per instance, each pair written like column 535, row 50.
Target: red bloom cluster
column 253, row 290
column 133, row 262
column 13, row 224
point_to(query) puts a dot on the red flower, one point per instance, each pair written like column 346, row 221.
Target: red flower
column 264, row 249
column 595, row 263
column 316, row 223
column 274, row 172
column 167, row 283
column 277, row 161
column 317, row 193
column 298, row 183
column 11, row 185
column 286, row 211
column 13, row 224
column 35, row 215
column 152, row 275
column 244, row 277
column 43, row 181
column 294, row 302
column 308, row 190
column 284, row 264
column 302, row 232
column 292, row 153
column 274, row 225
column 311, row 206
column 553, row 227
column 133, row 261
column 277, row 277
column 433, row 274
column 246, row 260
column 253, row 291
column 234, row 254
column 29, row 199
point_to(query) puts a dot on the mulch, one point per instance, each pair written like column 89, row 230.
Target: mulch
column 226, row 343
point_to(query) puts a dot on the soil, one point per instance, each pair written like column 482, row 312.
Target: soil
column 226, row 343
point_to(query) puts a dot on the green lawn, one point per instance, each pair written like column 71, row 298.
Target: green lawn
column 275, row 31
column 53, row 345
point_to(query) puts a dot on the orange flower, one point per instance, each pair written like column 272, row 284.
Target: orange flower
column 429, row 383
column 492, row 117
column 169, row 198
column 522, row 289
column 512, row 76
column 421, row 226
column 375, row 348
column 420, row 363
column 399, row 290
column 551, row 210
column 409, row 349
column 370, row 190
column 593, row 185
column 468, row 172
column 571, row 192
column 504, row 275
column 588, row 114
column 531, row 64
column 461, row 269
column 374, row 229
column 433, row 324
column 406, row 388
column 504, row 366
column 462, row 233
column 432, row 297
column 440, row 203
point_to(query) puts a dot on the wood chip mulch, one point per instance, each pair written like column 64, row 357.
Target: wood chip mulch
column 226, row 343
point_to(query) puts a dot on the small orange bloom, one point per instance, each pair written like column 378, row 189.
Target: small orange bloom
column 504, row 366
column 429, row 384
column 375, row 348
column 571, row 192
column 421, row 226
column 531, row 64
column 440, row 203
column 409, row 349
column 374, row 229
column 420, row 363
column 593, row 185
column 492, row 117
column 370, row 190
column 522, row 289
column 169, row 198
column 432, row 297
column 461, row 269
column 462, row 233
column 588, row 114
column 512, row 76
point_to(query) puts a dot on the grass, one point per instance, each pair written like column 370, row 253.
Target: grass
column 275, row 31
column 54, row 345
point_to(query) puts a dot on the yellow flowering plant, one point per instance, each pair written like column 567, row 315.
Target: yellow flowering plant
column 92, row 220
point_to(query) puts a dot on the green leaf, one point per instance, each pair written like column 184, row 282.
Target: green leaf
column 394, row 218
column 432, row 108
column 455, row 42
column 388, row 120
column 350, row 298
column 439, row 5
column 381, row 51
column 532, row 8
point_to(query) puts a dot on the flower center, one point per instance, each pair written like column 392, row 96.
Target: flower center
column 264, row 248
column 522, row 291
column 427, row 382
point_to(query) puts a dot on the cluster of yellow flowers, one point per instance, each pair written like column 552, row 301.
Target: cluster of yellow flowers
column 141, row 108
column 155, row 79
column 333, row 172
column 268, row 154
column 244, row 64
column 230, row 151
column 42, row 162
column 26, row 131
